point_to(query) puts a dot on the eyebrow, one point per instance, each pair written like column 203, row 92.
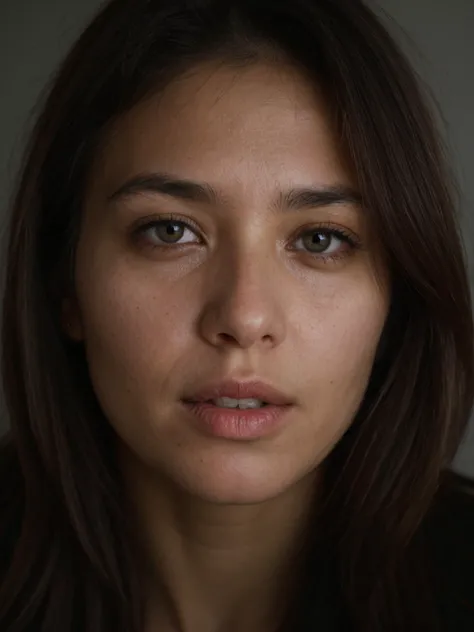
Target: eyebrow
column 295, row 199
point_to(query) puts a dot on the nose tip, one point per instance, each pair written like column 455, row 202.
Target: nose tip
column 243, row 308
column 244, row 340
column 237, row 330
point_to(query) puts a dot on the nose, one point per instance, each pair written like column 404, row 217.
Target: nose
column 244, row 306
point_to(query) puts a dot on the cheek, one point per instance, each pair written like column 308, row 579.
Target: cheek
column 332, row 359
column 353, row 333
column 136, row 333
column 339, row 344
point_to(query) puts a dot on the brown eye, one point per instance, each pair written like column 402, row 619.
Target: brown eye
column 318, row 242
column 327, row 243
column 169, row 231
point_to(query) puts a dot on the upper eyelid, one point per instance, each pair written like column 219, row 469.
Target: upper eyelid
column 333, row 226
column 152, row 221
column 347, row 235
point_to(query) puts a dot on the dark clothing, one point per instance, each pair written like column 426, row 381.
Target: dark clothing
column 450, row 540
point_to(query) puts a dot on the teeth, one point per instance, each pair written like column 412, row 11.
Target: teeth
column 228, row 402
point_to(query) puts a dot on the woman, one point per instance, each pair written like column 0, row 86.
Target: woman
column 235, row 205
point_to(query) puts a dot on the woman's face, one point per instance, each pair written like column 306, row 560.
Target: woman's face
column 251, row 284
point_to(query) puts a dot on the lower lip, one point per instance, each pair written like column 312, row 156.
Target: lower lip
column 237, row 423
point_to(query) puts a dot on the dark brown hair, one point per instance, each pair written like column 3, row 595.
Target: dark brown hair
column 69, row 566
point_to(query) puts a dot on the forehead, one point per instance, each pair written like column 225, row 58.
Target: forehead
column 245, row 127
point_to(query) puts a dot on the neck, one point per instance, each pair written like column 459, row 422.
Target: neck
column 211, row 567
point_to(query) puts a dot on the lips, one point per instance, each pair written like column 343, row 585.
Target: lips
column 240, row 390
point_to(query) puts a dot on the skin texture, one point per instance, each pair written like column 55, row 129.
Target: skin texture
column 241, row 296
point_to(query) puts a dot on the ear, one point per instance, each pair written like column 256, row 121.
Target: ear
column 71, row 319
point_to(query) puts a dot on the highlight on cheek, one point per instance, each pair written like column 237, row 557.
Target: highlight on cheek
column 325, row 242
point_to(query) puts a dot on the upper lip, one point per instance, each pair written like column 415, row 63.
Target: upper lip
column 240, row 390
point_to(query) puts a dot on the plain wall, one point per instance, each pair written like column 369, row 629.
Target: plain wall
column 437, row 35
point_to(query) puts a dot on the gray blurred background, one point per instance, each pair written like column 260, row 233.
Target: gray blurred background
column 438, row 36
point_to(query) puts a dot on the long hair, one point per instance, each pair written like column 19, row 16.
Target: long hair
column 70, row 566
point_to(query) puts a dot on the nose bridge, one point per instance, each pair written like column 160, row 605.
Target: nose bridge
column 247, row 281
column 245, row 301
column 247, row 270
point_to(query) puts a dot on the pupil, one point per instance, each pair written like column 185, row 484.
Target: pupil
column 171, row 230
column 318, row 242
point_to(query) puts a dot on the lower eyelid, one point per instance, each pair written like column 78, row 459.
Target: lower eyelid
column 351, row 241
column 141, row 231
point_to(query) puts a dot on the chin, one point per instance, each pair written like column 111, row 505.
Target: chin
column 250, row 494
column 225, row 473
column 236, row 482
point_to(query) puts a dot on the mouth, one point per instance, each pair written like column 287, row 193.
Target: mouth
column 246, row 421
column 232, row 404
column 233, row 394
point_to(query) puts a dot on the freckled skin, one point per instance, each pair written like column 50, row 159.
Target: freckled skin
column 241, row 302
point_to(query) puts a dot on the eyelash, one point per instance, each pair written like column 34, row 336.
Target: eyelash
column 338, row 232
